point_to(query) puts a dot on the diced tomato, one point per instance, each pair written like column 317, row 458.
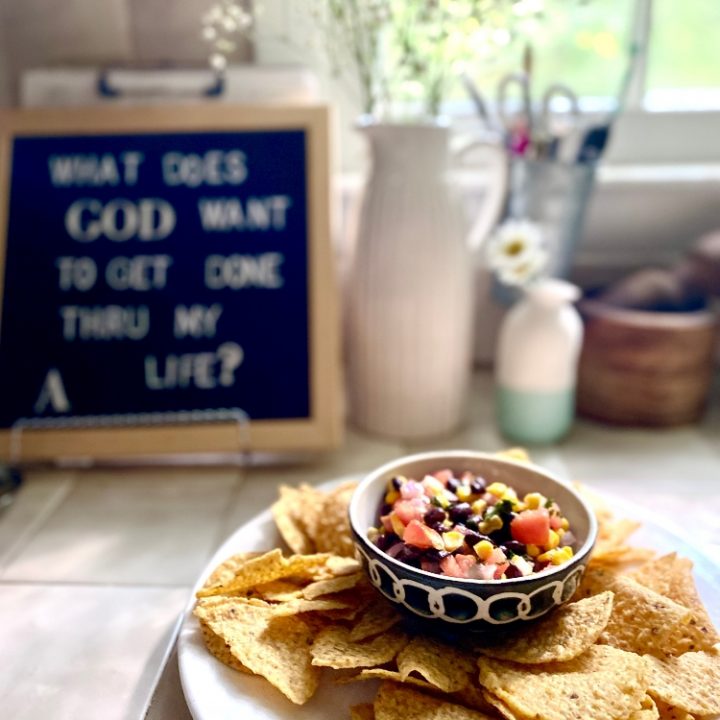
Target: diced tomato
column 420, row 535
column 555, row 522
column 449, row 566
column 408, row 510
column 500, row 570
column 531, row 527
column 443, row 476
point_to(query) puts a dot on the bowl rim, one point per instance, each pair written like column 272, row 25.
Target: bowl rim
column 361, row 534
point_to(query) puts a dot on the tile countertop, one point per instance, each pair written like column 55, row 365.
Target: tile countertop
column 95, row 566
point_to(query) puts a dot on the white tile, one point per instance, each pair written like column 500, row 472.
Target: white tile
column 657, row 460
column 130, row 527
column 37, row 498
column 79, row 653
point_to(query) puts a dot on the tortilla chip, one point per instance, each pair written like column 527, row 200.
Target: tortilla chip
column 301, row 605
column 642, row 621
column 397, row 702
column 220, row 649
column 259, row 569
column 603, row 684
column 384, row 674
column 275, row 647
column 690, row 682
column 515, row 453
column 668, row 712
column 380, row 616
column 278, row 590
column 331, row 585
column 473, row 697
column 672, row 577
column 499, row 707
column 647, row 711
column 333, row 648
column 332, row 530
column 292, row 531
column 227, row 569
column 445, row 667
column 364, row 711
column 561, row 636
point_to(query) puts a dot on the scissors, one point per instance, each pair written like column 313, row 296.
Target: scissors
column 548, row 128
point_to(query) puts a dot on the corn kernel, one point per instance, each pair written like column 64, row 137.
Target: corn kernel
column 533, row 550
column 497, row 489
column 484, row 549
column 512, row 498
column 392, row 496
column 478, row 507
column 545, row 557
column 553, row 540
column 490, row 525
column 442, row 500
column 560, row 532
column 397, row 525
column 534, row 500
column 463, row 493
column 432, row 485
column 567, row 552
column 453, row 540
column 565, row 524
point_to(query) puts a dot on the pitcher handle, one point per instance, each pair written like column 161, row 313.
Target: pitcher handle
column 494, row 198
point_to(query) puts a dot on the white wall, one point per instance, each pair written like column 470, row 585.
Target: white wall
column 48, row 33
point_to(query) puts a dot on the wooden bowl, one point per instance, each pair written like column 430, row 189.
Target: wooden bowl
column 645, row 368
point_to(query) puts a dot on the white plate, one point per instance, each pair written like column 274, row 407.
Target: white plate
column 215, row 692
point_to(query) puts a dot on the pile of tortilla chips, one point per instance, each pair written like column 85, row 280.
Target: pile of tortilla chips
column 635, row 643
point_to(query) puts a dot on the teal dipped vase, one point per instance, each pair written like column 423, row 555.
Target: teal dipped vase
column 536, row 364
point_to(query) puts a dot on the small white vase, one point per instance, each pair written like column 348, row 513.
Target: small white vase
column 410, row 290
column 536, row 363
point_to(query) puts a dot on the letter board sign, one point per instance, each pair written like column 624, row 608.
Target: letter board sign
column 165, row 272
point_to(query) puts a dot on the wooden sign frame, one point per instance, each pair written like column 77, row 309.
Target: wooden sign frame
column 322, row 429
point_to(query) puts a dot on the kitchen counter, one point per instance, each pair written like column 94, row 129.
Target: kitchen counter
column 96, row 565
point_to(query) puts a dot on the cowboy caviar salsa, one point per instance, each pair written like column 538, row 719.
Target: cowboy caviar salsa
column 466, row 528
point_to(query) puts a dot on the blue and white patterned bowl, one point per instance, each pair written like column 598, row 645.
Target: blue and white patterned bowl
column 479, row 605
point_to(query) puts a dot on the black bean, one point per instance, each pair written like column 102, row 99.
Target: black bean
column 515, row 547
column 433, row 554
column 386, row 540
column 385, row 509
column 410, row 556
column 396, row 483
column 460, row 512
column 511, row 571
column 473, row 538
column 453, row 484
column 477, row 486
column 434, row 515
column 473, row 522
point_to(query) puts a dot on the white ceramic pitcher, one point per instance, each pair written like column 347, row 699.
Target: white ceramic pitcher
column 410, row 288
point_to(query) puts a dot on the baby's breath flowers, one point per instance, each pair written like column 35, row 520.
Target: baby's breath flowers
column 396, row 52
column 517, row 253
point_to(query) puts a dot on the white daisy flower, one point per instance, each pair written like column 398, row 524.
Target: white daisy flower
column 516, row 252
